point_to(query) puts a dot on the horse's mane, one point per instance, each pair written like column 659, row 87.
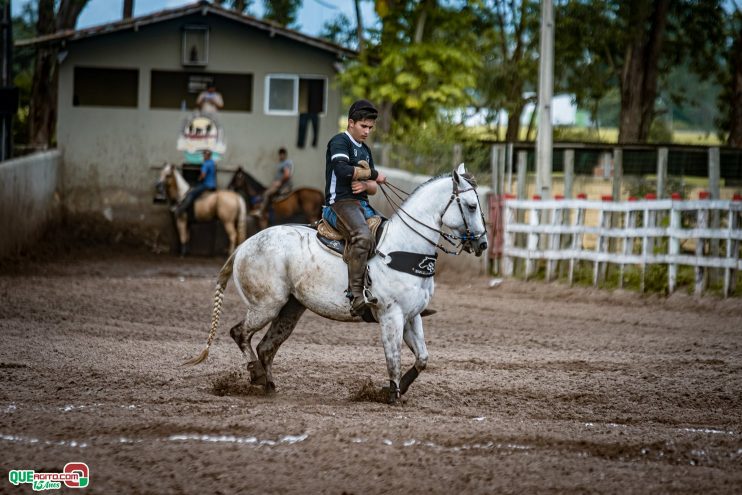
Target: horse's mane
column 446, row 175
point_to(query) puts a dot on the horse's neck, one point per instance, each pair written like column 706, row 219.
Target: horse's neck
column 182, row 185
column 426, row 206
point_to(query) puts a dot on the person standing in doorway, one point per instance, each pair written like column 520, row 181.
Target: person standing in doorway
column 210, row 101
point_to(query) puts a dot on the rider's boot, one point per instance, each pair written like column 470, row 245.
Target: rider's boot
column 352, row 225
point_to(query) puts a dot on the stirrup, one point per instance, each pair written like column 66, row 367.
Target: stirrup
column 369, row 298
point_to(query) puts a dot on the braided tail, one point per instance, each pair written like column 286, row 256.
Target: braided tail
column 221, row 284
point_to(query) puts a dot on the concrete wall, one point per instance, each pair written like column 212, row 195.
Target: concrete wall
column 111, row 153
column 29, row 198
column 459, row 266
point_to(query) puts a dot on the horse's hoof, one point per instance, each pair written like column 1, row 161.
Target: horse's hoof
column 270, row 388
column 391, row 392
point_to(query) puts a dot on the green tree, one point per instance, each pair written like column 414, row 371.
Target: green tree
column 637, row 44
column 730, row 99
column 284, row 12
column 423, row 62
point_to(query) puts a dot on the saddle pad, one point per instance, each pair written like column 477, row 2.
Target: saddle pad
column 333, row 240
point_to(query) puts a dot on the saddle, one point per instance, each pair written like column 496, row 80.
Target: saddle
column 333, row 240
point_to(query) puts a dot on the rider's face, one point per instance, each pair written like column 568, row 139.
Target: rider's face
column 360, row 129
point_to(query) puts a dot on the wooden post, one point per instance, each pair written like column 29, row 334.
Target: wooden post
column 714, row 189
column 554, row 240
column 628, row 241
column 650, row 217
column 730, row 275
column 458, row 155
column 508, row 165
column 522, row 174
column 673, row 246
column 604, row 221
column 702, row 222
column 569, row 172
column 576, row 237
column 509, row 237
column 617, row 173
column 534, row 219
column 496, row 179
column 661, row 172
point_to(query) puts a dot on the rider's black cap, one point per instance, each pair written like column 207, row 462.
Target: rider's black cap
column 362, row 107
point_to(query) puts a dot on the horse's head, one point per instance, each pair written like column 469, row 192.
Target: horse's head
column 239, row 180
column 167, row 185
column 463, row 214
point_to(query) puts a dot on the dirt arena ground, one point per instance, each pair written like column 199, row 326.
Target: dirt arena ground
column 531, row 388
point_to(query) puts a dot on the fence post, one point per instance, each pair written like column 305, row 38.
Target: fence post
column 522, row 174
column 673, row 243
column 604, row 222
column 534, row 219
column 496, row 179
column 714, row 179
column 457, row 155
column 650, row 217
column 730, row 274
column 508, row 163
column 661, row 172
column 702, row 222
column 554, row 240
column 569, row 172
column 617, row 172
column 628, row 241
column 578, row 224
column 509, row 237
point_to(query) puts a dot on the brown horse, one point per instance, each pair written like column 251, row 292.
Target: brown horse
column 304, row 202
column 227, row 206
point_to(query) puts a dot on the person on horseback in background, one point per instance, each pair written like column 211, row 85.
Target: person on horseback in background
column 350, row 176
column 206, row 182
column 281, row 181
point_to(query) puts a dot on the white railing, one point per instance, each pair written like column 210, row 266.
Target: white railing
column 631, row 233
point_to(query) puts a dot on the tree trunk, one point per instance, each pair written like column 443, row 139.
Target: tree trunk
column 640, row 71
column 43, row 111
column 512, row 134
column 359, row 27
column 735, row 95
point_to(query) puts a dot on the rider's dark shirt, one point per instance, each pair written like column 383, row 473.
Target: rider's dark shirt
column 343, row 155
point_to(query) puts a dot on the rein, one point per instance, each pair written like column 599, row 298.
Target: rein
column 451, row 239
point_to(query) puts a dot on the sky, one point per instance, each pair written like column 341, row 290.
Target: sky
column 312, row 16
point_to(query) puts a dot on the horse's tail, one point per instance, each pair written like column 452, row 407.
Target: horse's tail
column 241, row 221
column 221, row 284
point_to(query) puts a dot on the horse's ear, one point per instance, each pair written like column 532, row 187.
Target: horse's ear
column 458, row 171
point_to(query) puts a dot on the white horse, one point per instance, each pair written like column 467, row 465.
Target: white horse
column 284, row 270
column 228, row 206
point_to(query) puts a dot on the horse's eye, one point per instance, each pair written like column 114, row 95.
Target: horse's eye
column 472, row 208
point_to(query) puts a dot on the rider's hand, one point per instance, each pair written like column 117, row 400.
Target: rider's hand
column 381, row 178
column 358, row 186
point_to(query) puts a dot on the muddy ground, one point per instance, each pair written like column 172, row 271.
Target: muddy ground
column 531, row 388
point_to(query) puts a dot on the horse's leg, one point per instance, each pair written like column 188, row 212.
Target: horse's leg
column 242, row 335
column 279, row 331
column 415, row 340
column 391, row 338
column 231, row 230
column 182, row 223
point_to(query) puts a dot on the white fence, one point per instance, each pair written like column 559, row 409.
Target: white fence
column 632, row 233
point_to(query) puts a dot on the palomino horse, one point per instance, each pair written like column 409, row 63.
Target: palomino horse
column 303, row 201
column 227, row 206
column 284, row 270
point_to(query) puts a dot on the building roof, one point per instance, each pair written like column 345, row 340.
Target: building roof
column 204, row 8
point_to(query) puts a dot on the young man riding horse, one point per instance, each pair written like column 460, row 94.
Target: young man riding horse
column 350, row 177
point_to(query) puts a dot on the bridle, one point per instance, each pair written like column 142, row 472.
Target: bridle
column 464, row 241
